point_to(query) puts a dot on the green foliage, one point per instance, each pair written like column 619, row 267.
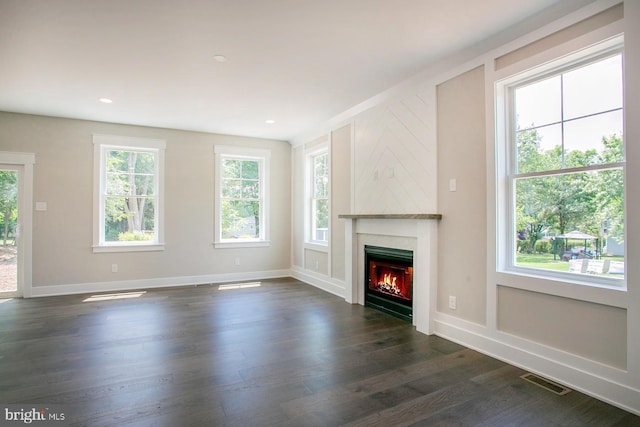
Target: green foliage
column 522, row 246
column 8, row 202
column 130, row 236
column 130, row 183
column 321, row 190
column 543, row 247
column 609, row 199
column 557, row 204
column 240, row 219
column 240, row 199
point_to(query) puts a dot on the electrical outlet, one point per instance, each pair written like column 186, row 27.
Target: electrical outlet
column 453, row 302
column 114, row 268
column 237, row 260
column 453, row 184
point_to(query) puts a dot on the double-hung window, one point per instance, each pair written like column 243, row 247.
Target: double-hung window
column 318, row 169
column 128, row 193
column 241, row 196
column 565, row 168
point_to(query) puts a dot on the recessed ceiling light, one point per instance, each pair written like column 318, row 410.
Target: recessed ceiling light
column 269, row 122
column 106, row 100
column 220, row 58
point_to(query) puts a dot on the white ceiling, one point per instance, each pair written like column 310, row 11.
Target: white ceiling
column 298, row 62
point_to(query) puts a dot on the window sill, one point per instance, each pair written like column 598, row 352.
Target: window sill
column 580, row 279
column 611, row 292
column 250, row 244
column 128, row 248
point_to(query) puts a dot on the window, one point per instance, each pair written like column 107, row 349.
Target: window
column 318, row 162
column 128, row 188
column 241, row 188
column 565, row 173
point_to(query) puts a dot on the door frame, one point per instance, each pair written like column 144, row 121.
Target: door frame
column 24, row 165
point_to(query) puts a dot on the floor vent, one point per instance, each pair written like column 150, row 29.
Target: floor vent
column 546, row 384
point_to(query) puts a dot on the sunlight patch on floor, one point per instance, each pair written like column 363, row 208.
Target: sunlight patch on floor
column 239, row 286
column 119, row 295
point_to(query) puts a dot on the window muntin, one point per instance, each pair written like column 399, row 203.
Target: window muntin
column 241, row 199
column 241, row 196
column 562, row 112
column 568, row 169
column 129, row 199
column 128, row 193
column 320, row 198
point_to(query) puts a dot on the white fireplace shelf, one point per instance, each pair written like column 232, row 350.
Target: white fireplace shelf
column 390, row 216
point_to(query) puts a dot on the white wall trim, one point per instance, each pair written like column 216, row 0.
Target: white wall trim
column 320, row 281
column 162, row 282
column 567, row 370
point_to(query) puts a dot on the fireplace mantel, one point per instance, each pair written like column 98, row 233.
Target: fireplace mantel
column 421, row 230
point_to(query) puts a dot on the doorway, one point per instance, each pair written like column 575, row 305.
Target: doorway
column 9, row 230
column 16, row 195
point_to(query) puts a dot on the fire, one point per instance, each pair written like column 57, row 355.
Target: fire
column 388, row 284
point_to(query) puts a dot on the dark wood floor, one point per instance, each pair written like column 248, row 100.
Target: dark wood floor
column 281, row 354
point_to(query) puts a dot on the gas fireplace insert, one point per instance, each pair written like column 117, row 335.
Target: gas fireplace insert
column 389, row 280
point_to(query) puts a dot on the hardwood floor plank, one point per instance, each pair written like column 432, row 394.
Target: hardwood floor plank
column 282, row 353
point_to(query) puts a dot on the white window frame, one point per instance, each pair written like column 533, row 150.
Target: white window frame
column 506, row 162
column 263, row 156
column 311, row 155
column 103, row 144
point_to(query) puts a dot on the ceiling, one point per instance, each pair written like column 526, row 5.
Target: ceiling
column 297, row 62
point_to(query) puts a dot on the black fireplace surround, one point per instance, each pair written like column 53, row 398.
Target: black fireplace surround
column 389, row 281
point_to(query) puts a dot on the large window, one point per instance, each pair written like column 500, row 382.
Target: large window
column 241, row 208
column 128, row 187
column 318, row 166
column 565, row 169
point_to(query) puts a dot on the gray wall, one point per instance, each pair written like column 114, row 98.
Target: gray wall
column 63, row 177
column 462, row 233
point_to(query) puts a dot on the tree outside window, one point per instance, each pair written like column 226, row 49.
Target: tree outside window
column 128, row 186
column 8, row 205
column 241, row 196
column 320, row 198
column 129, row 203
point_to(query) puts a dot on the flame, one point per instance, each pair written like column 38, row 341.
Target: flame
column 388, row 284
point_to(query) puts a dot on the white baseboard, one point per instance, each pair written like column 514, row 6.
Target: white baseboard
column 164, row 282
column 328, row 284
column 593, row 384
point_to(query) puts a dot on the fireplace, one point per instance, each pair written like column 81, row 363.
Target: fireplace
column 415, row 232
column 389, row 280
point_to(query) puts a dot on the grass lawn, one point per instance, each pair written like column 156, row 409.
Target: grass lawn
column 544, row 261
column 547, row 262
